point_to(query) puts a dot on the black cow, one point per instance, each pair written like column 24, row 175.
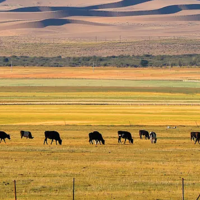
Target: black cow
column 193, row 135
column 26, row 134
column 52, row 135
column 4, row 135
column 197, row 137
column 153, row 137
column 145, row 133
column 126, row 135
column 97, row 137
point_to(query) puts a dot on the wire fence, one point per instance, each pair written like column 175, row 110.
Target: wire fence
column 18, row 190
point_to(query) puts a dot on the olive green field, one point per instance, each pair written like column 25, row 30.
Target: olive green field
column 75, row 107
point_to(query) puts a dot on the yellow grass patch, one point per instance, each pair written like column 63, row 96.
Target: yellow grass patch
column 102, row 73
column 141, row 170
column 112, row 171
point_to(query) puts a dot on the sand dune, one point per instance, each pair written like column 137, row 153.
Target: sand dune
column 124, row 15
column 183, row 18
column 23, row 3
column 49, row 22
column 72, row 11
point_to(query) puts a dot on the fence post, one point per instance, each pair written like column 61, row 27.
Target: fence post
column 183, row 188
column 73, row 188
column 15, row 190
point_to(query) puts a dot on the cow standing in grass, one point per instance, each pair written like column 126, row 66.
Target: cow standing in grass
column 126, row 135
column 52, row 135
column 26, row 134
column 144, row 133
column 4, row 135
column 97, row 137
column 193, row 135
column 197, row 137
column 153, row 137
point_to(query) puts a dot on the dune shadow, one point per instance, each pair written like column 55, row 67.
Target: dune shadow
column 119, row 4
column 60, row 22
column 123, row 3
column 189, row 18
column 74, row 11
column 51, row 22
column 195, row 17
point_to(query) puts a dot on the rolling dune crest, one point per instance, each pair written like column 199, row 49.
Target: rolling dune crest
column 72, row 11
column 92, row 16
column 50, row 22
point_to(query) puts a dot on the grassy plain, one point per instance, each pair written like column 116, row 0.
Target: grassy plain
column 102, row 73
column 106, row 95
column 100, row 115
column 113, row 171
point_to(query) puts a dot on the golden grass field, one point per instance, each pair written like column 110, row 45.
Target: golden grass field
column 175, row 73
column 112, row 171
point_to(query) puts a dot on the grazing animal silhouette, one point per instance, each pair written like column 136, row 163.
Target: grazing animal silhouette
column 153, row 137
column 144, row 133
column 4, row 135
column 193, row 135
column 126, row 135
column 26, row 134
column 197, row 137
column 97, row 137
column 52, row 135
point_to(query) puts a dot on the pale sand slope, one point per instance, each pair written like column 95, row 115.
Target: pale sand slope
column 102, row 19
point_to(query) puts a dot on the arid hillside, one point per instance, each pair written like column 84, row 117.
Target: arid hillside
column 103, row 20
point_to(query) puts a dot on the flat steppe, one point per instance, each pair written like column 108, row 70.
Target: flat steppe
column 77, row 101
column 101, row 73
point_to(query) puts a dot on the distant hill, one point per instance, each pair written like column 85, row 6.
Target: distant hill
column 105, row 19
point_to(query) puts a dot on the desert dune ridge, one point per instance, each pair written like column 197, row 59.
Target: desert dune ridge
column 105, row 20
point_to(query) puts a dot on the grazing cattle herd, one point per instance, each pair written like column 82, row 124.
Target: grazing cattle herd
column 97, row 137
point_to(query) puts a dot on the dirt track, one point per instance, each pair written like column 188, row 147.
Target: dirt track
column 103, row 103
